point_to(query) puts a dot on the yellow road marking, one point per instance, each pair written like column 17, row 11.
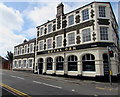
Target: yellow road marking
column 14, row 90
column 110, row 89
column 100, row 88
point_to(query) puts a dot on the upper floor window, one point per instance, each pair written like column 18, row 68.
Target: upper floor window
column 41, row 31
column 15, row 51
column 49, row 28
column 86, row 35
column 85, row 14
column 25, row 51
column 31, row 47
column 102, row 11
column 20, row 49
column 103, row 33
column 71, row 20
column 49, row 43
column 71, row 38
column 59, row 41
column 41, row 45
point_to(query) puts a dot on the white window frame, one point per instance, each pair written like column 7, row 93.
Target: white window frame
column 73, row 20
column 56, row 41
column 20, row 64
column 107, row 33
column 68, row 20
column 67, row 38
column 103, row 16
column 88, row 14
column 26, row 50
column 47, row 43
column 15, row 51
column 26, row 63
column 40, row 31
column 16, row 64
column 39, row 45
column 51, row 28
column 32, row 62
column 20, row 50
column 82, row 35
column 32, row 48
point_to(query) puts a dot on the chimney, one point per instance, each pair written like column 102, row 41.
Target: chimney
column 60, row 9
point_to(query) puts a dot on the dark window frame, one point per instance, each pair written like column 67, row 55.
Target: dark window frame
column 88, row 62
column 72, row 63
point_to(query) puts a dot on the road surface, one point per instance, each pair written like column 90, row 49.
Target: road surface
column 31, row 85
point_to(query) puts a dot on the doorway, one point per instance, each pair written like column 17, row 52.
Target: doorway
column 105, row 65
column 40, row 65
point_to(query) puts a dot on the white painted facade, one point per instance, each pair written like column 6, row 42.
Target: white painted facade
column 87, row 53
column 96, row 51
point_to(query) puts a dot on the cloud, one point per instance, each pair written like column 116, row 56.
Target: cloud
column 29, row 33
column 10, row 21
column 41, row 14
column 10, row 18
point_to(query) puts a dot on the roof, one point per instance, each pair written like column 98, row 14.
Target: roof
column 81, row 8
column 29, row 41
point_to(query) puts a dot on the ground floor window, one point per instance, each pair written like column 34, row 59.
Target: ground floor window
column 30, row 63
column 49, row 63
column 88, row 62
column 15, row 64
column 24, row 63
column 59, row 63
column 72, row 63
column 19, row 64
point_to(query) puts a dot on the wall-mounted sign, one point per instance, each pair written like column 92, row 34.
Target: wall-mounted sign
column 62, row 49
column 77, row 47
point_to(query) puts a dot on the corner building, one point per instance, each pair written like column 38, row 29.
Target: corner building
column 76, row 43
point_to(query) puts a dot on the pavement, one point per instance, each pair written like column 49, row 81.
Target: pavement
column 34, row 84
column 75, row 80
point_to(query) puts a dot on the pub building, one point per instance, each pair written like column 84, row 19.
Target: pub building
column 76, row 43
column 24, row 56
column 73, row 44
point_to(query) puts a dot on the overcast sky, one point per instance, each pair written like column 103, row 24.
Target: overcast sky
column 18, row 20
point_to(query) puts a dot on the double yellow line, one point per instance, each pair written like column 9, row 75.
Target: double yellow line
column 14, row 90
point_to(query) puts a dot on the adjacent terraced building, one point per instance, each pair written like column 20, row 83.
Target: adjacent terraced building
column 24, row 56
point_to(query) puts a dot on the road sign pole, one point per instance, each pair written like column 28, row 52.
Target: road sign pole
column 109, row 64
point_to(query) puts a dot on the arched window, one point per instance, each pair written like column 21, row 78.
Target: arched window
column 72, row 63
column 49, row 63
column 59, row 63
column 88, row 62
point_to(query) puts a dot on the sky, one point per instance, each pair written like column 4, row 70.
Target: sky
column 19, row 18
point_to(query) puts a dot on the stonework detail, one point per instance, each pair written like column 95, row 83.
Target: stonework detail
column 77, row 19
column 78, row 40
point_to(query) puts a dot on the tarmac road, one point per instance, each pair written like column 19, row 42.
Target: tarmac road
column 38, row 85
